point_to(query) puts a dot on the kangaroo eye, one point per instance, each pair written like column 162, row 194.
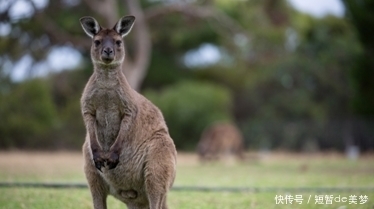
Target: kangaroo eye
column 118, row 42
column 97, row 42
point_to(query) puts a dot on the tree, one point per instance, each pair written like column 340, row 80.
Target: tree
column 52, row 26
column 27, row 112
column 295, row 80
column 361, row 14
column 57, row 24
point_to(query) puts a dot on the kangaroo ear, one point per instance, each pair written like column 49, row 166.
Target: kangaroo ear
column 124, row 25
column 90, row 26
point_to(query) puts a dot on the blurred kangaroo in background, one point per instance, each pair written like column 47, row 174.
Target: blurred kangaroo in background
column 220, row 140
column 128, row 151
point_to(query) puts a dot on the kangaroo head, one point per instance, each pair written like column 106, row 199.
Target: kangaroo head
column 107, row 48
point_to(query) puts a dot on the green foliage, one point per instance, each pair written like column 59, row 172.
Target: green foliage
column 362, row 76
column 302, row 96
column 67, row 87
column 28, row 113
column 361, row 15
column 43, row 113
column 189, row 107
column 162, row 71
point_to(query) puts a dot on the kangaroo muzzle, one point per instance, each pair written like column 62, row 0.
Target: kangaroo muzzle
column 107, row 54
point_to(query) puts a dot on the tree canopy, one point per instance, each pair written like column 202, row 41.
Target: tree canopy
column 287, row 79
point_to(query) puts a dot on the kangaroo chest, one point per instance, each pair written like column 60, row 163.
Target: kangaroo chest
column 109, row 106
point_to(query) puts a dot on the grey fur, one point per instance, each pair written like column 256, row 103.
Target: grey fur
column 128, row 151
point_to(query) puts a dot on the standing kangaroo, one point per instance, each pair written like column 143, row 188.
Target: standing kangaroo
column 128, row 151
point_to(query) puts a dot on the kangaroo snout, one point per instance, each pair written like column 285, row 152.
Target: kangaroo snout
column 108, row 51
column 107, row 54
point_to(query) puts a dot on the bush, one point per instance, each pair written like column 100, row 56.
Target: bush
column 188, row 107
column 28, row 115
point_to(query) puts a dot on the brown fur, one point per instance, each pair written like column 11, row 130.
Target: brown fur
column 220, row 140
column 128, row 151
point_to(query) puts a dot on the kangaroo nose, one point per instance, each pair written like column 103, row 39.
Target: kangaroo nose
column 108, row 51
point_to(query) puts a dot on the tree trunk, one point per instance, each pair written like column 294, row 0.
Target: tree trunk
column 136, row 70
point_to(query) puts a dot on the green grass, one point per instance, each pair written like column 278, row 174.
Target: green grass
column 30, row 198
column 278, row 170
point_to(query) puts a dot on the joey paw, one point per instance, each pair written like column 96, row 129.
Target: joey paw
column 102, row 159
column 99, row 159
column 113, row 160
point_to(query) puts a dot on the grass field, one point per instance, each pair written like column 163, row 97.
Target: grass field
column 277, row 170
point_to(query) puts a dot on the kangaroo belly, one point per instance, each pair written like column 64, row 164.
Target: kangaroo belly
column 108, row 121
column 126, row 181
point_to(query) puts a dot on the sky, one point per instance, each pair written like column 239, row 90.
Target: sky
column 319, row 8
column 68, row 58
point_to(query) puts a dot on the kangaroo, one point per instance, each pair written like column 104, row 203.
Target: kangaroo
column 128, row 151
column 220, row 140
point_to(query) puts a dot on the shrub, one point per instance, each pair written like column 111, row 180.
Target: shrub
column 189, row 107
column 28, row 114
